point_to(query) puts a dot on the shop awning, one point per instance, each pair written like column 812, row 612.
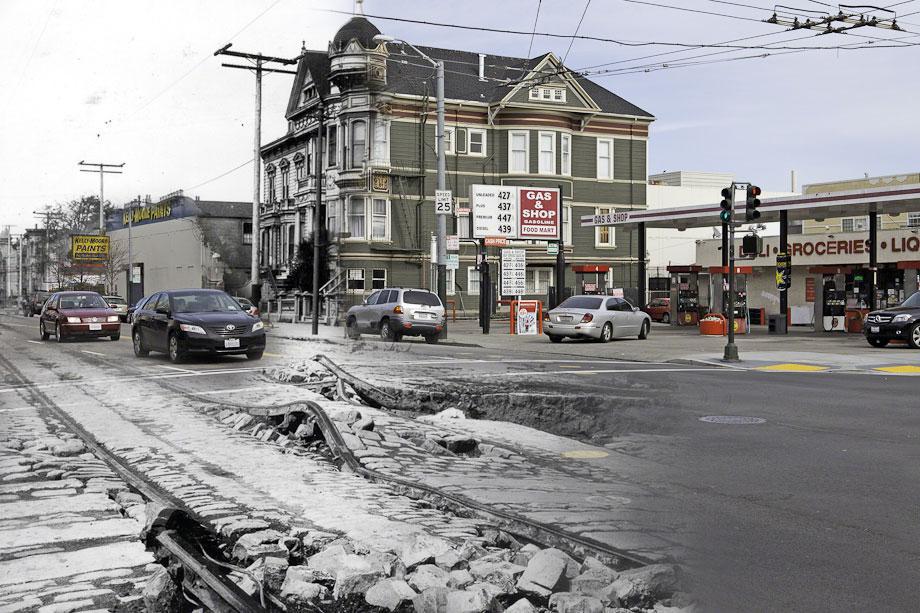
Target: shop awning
column 820, row 206
column 583, row 268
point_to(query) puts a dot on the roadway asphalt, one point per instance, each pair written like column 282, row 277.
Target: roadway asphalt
column 813, row 509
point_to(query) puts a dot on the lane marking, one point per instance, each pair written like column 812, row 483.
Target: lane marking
column 15, row 409
column 790, row 367
column 585, row 454
column 177, row 369
column 228, row 390
column 899, row 370
column 35, row 342
column 601, row 371
column 93, row 353
column 180, row 375
column 272, row 355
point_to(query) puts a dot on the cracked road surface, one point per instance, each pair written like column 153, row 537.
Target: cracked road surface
column 814, row 509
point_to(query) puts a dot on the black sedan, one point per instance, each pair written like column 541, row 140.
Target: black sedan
column 189, row 321
column 900, row 323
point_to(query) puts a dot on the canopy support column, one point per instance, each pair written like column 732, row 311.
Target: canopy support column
column 643, row 274
column 784, row 248
column 873, row 257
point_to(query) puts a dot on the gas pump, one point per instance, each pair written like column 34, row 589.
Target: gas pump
column 685, row 294
column 834, row 305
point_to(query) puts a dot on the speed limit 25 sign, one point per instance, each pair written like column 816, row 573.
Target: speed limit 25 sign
column 443, row 202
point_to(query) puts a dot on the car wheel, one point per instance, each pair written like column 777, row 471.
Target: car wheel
column 555, row 339
column 139, row 349
column 41, row 328
column 643, row 331
column 666, row 318
column 607, row 333
column 176, row 351
column 351, row 329
column 116, row 337
column 913, row 337
column 58, row 336
column 387, row 333
column 431, row 339
column 255, row 355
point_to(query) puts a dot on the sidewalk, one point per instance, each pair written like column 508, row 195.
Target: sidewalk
column 798, row 351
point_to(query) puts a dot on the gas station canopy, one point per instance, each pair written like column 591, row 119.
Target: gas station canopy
column 819, row 206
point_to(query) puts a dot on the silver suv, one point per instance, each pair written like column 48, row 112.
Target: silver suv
column 395, row 312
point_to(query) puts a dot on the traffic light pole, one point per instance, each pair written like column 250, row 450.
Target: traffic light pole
column 731, row 350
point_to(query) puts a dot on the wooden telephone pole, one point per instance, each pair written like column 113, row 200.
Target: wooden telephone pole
column 258, row 66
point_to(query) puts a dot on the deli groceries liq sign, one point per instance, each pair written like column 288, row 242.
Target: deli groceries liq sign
column 514, row 212
column 88, row 247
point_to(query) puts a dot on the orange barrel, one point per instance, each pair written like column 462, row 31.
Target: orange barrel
column 714, row 324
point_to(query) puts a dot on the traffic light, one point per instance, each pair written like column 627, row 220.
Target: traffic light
column 728, row 197
column 752, row 202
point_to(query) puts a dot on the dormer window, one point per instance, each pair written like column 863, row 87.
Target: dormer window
column 308, row 93
column 548, row 94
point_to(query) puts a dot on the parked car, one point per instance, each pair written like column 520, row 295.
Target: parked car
column 247, row 305
column 137, row 305
column 35, row 303
column 78, row 314
column 395, row 312
column 119, row 305
column 897, row 323
column 659, row 309
column 598, row 317
column 187, row 321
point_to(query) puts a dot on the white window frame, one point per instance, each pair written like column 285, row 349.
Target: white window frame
column 598, row 231
column 370, row 214
column 863, row 219
column 469, row 142
column 565, row 154
column 913, row 219
column 472, row 273
column 349, row 277
column 609, row 161
column 566, row 224
column 381, row 142
column 357, row 163
column 451, row 281
column 532, row 280
column 540, row 151
column 347, row 215
column 373, row 278
column 548, row 94
column 526, row 135
column 450, row 135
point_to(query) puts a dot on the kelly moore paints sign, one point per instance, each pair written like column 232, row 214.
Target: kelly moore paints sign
column 514, row 212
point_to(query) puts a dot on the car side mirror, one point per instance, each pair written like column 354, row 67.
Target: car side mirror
column 635, row 309
column 162, row 311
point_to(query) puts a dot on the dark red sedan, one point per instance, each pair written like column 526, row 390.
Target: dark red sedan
column 78, row 314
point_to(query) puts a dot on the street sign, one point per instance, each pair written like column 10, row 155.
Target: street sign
column 515, row 212
column 453, row 261
column 514, row 272
column 453, row 242
column 443, row 202
column 496, row 241
column 552, row 248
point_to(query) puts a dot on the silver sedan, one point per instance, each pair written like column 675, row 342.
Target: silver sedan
column 599, row 317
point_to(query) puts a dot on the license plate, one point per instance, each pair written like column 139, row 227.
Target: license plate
column 873, row 329
column 231, row 343
column 565, row 318
column 95, row 326
column 424, row 315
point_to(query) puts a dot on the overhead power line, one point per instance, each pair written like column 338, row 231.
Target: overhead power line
column 577, row 28
column 534, row 31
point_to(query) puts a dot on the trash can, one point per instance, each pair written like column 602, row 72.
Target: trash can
column 777, row 324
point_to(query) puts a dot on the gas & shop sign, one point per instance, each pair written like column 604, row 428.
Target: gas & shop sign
column 88, row 247
column 515, row 212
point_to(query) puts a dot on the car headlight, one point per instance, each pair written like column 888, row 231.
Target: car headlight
column 901, row 317
column 73, row 320
column 257, row 326
column 192, row 329
column 113, row 318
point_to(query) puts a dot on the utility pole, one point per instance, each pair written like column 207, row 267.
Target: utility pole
column 317, row 213
column 258, row 67
column 9, row 262
column 101, row 169
column 442, row 184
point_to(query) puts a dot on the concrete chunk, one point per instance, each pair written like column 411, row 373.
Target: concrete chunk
column 389, row 594
column 567, row 602
column 521, row 606
column 432, row 600
column 428, row 576
column 469, row 601
column 542, row 573
column 594, row 581
column 644, row 585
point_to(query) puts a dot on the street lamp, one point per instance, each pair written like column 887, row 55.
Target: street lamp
column 441, row 237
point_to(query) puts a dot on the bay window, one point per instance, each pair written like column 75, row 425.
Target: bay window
column 354, row 217
column 565, row 152
column 519, row 152
column 547, row 157
column 380, row 219
column 358, row 143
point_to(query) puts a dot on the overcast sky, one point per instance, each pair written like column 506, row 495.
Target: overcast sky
column 136, row 82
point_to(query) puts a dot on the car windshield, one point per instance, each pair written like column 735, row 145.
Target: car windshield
column 203, row 302
column 83, row 301
column 115, row 300
column 422, row 298
column 582, row 302
column 913, row 302
column 244, row 302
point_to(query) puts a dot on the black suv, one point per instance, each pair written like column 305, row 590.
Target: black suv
column 900, row 323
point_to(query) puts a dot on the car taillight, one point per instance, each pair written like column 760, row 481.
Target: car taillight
column 397, row 309
column 587, row 318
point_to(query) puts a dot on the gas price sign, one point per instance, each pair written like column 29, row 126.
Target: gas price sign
column 515, row 212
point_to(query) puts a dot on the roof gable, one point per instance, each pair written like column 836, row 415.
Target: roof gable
column 313, row 68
